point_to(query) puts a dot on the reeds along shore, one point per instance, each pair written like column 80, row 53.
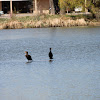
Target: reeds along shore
column 50, row 22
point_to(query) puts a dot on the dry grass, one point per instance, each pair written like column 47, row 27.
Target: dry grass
column 44, row 21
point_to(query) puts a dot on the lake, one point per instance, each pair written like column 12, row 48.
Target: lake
column 74, row 73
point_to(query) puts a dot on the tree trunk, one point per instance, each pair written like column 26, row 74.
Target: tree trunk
column 52, row 9
column 11, row 8
column 85, row 6
column 36, row 8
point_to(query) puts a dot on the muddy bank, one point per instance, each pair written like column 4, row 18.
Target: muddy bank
column 51, row 22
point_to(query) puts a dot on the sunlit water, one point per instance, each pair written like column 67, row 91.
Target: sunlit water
column 74, row 74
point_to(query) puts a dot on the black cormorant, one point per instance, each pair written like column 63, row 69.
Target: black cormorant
column 50, row 54
column 29, row 58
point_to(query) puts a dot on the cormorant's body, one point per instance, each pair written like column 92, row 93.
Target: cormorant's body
column 28, row 56
column 50, row 54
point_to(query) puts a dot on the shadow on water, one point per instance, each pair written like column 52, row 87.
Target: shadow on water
column 39, row 61
column 50, row 60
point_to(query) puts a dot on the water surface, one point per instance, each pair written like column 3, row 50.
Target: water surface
column 74, row 74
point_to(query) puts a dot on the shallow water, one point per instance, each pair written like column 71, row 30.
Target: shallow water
column 74, row 74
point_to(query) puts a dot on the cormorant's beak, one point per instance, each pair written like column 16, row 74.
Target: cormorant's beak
column 25, row 52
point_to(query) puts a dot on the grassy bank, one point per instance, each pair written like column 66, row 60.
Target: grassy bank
column 47, row 21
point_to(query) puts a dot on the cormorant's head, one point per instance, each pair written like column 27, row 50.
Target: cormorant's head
column 26, row 52
column 50, row 49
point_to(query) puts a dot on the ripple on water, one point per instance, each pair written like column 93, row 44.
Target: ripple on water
column 72, row 75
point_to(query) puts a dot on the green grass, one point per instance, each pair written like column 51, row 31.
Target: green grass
column 44, row 17
column 24, row 19
column 3, row 20
column 80, row 16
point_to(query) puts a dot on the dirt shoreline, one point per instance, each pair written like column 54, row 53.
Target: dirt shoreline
column 50, row 22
